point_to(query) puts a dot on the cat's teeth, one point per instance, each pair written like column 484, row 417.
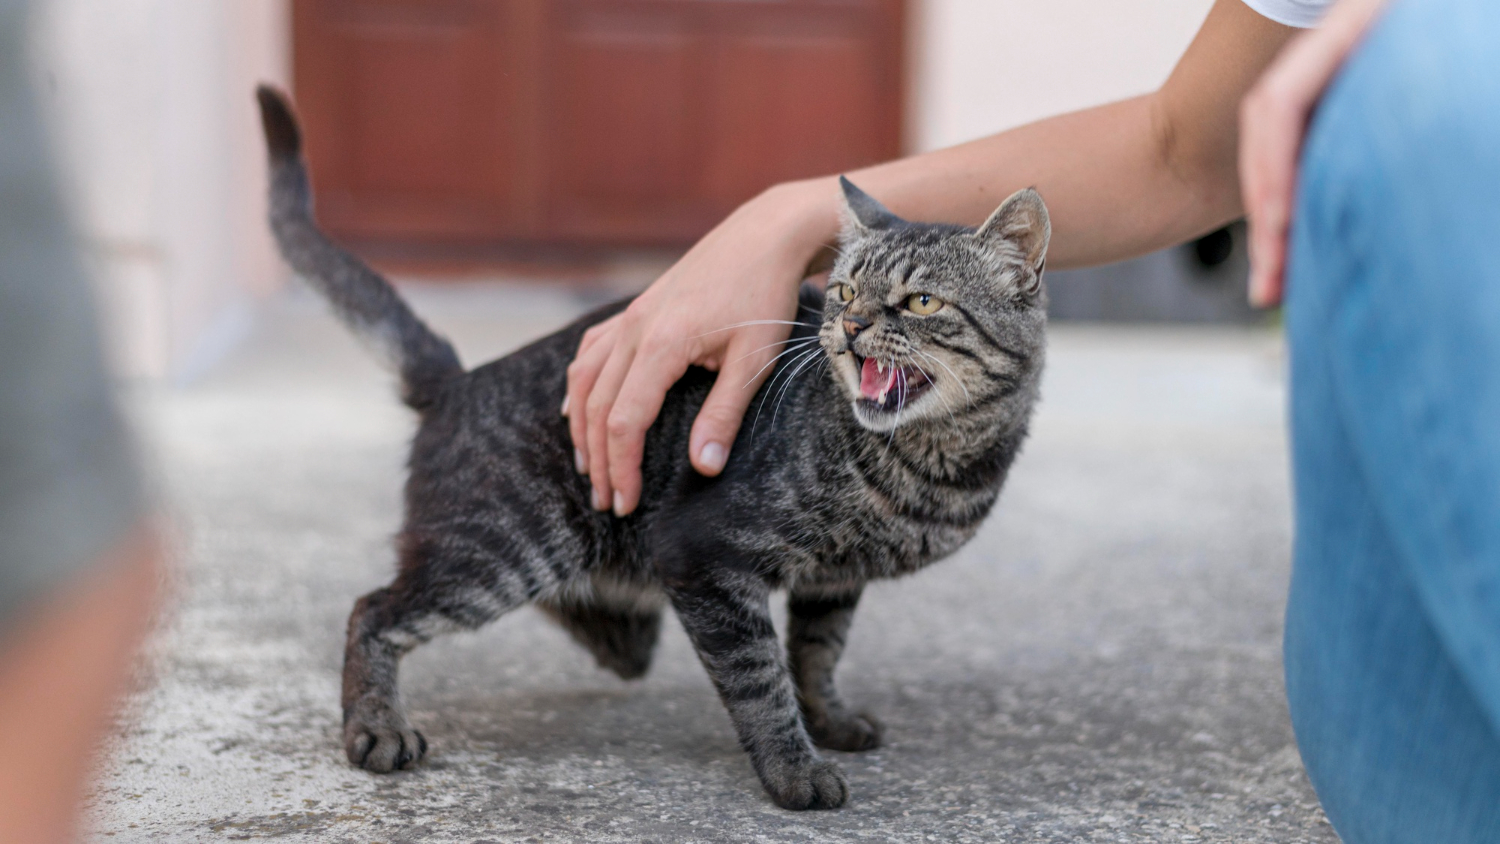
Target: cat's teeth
column 880, row 367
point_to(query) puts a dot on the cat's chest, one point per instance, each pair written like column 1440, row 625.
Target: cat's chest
column 892, row 546
column 878, row 538
column 860, row 512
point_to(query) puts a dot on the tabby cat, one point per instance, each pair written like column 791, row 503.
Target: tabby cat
column 878, row 446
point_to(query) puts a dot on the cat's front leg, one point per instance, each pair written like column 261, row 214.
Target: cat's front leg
column 817, row 626
column 728, row 617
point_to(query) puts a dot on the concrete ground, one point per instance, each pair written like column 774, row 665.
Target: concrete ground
column 1100, row 665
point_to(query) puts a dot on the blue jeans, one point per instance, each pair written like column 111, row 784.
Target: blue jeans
column 1393, row 320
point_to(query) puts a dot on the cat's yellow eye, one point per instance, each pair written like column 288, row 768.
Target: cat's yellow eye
column 844, row 292
column 923, row 303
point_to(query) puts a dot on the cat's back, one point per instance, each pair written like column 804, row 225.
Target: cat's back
column 496, row 436
column 495, row 442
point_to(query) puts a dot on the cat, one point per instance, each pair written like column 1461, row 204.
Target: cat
column 877, row 447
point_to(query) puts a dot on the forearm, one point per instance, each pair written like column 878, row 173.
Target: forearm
column 1120, row 179
column 1106, row 173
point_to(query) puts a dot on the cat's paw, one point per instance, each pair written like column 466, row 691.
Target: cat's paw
column 378, row 739
column 849, row 733
column 818, row 784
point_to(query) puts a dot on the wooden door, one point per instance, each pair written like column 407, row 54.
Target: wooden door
column 584, row 121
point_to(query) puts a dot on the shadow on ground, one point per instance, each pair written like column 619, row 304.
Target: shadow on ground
column 1100, row 664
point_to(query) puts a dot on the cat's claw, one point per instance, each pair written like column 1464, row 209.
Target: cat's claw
column 816, row 785
column 852, row 733
column 383, row 745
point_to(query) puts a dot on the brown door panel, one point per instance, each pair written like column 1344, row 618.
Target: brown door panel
column 799, row 91
column 623, row 85
column 410, row 107
column 583, row 121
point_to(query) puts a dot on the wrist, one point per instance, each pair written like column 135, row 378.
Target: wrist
column 805, row 213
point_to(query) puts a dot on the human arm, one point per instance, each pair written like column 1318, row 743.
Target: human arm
column 63, row 670
column 1273, row 120
column 1120, row 180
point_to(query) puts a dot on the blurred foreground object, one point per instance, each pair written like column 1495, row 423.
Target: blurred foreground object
column 77, row 573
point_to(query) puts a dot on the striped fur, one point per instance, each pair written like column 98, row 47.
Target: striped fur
column 825, row 489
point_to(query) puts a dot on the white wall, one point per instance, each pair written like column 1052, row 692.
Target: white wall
column 152, row 106
column 980, row 66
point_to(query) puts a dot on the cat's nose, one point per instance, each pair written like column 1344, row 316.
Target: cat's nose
column 853, row 325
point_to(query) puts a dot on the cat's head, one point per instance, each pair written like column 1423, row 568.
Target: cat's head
column 925, row 321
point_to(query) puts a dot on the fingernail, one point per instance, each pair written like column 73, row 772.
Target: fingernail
column 580, row 465
column 566, row 399
column 599, row 503
column 619, row 504
column 712, row 457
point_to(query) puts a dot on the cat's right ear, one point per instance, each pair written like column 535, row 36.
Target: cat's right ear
column 1022, row 224
column 863, row 212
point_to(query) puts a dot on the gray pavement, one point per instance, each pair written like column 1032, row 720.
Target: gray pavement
column 1100, row 665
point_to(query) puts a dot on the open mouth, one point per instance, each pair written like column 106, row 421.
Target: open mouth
column 885, row 387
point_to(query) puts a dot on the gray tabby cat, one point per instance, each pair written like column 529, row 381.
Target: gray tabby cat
column 878, row 447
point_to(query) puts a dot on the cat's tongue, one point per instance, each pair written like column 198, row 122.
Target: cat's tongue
column 873, row 383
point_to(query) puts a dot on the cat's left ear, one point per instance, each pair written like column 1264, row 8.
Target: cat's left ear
column 1021, row 222
column 864, row 212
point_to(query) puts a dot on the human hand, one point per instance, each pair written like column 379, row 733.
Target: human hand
column 725, row 306
column 1273, row 120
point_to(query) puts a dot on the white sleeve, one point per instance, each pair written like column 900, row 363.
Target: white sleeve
column 1298, row 13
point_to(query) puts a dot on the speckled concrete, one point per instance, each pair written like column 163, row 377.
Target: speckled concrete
column 1100, row 664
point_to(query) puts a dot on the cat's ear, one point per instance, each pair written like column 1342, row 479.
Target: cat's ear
column 863, row 212
column 1021, row 223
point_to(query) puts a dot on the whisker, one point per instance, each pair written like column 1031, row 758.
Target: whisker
column 788, row 383
column 802, row 347
column 789, row 369
column 803, row 353
column 968, row 399
column 756, row 322
column 937, row 392
column 892, row 438
column 777, row 343
column 900, row 403
column 801, row 364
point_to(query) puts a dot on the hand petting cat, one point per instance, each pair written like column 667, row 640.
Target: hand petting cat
column 755, row 259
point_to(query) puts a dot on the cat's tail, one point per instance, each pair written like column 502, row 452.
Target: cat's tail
column 363, row 299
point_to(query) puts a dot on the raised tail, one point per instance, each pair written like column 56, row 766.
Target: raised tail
column 361, row 297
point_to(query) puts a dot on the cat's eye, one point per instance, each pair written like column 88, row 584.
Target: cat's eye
column 844, row 292
column 923, row 303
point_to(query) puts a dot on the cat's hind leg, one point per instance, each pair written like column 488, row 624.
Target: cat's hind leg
column 435, row 593
column 817, row 626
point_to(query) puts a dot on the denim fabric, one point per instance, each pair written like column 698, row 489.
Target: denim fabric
column 1393, row 320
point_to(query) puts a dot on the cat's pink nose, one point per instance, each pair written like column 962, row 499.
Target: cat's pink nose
column 853, row 325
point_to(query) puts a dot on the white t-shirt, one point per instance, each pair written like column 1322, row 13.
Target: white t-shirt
column 1301, row 13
